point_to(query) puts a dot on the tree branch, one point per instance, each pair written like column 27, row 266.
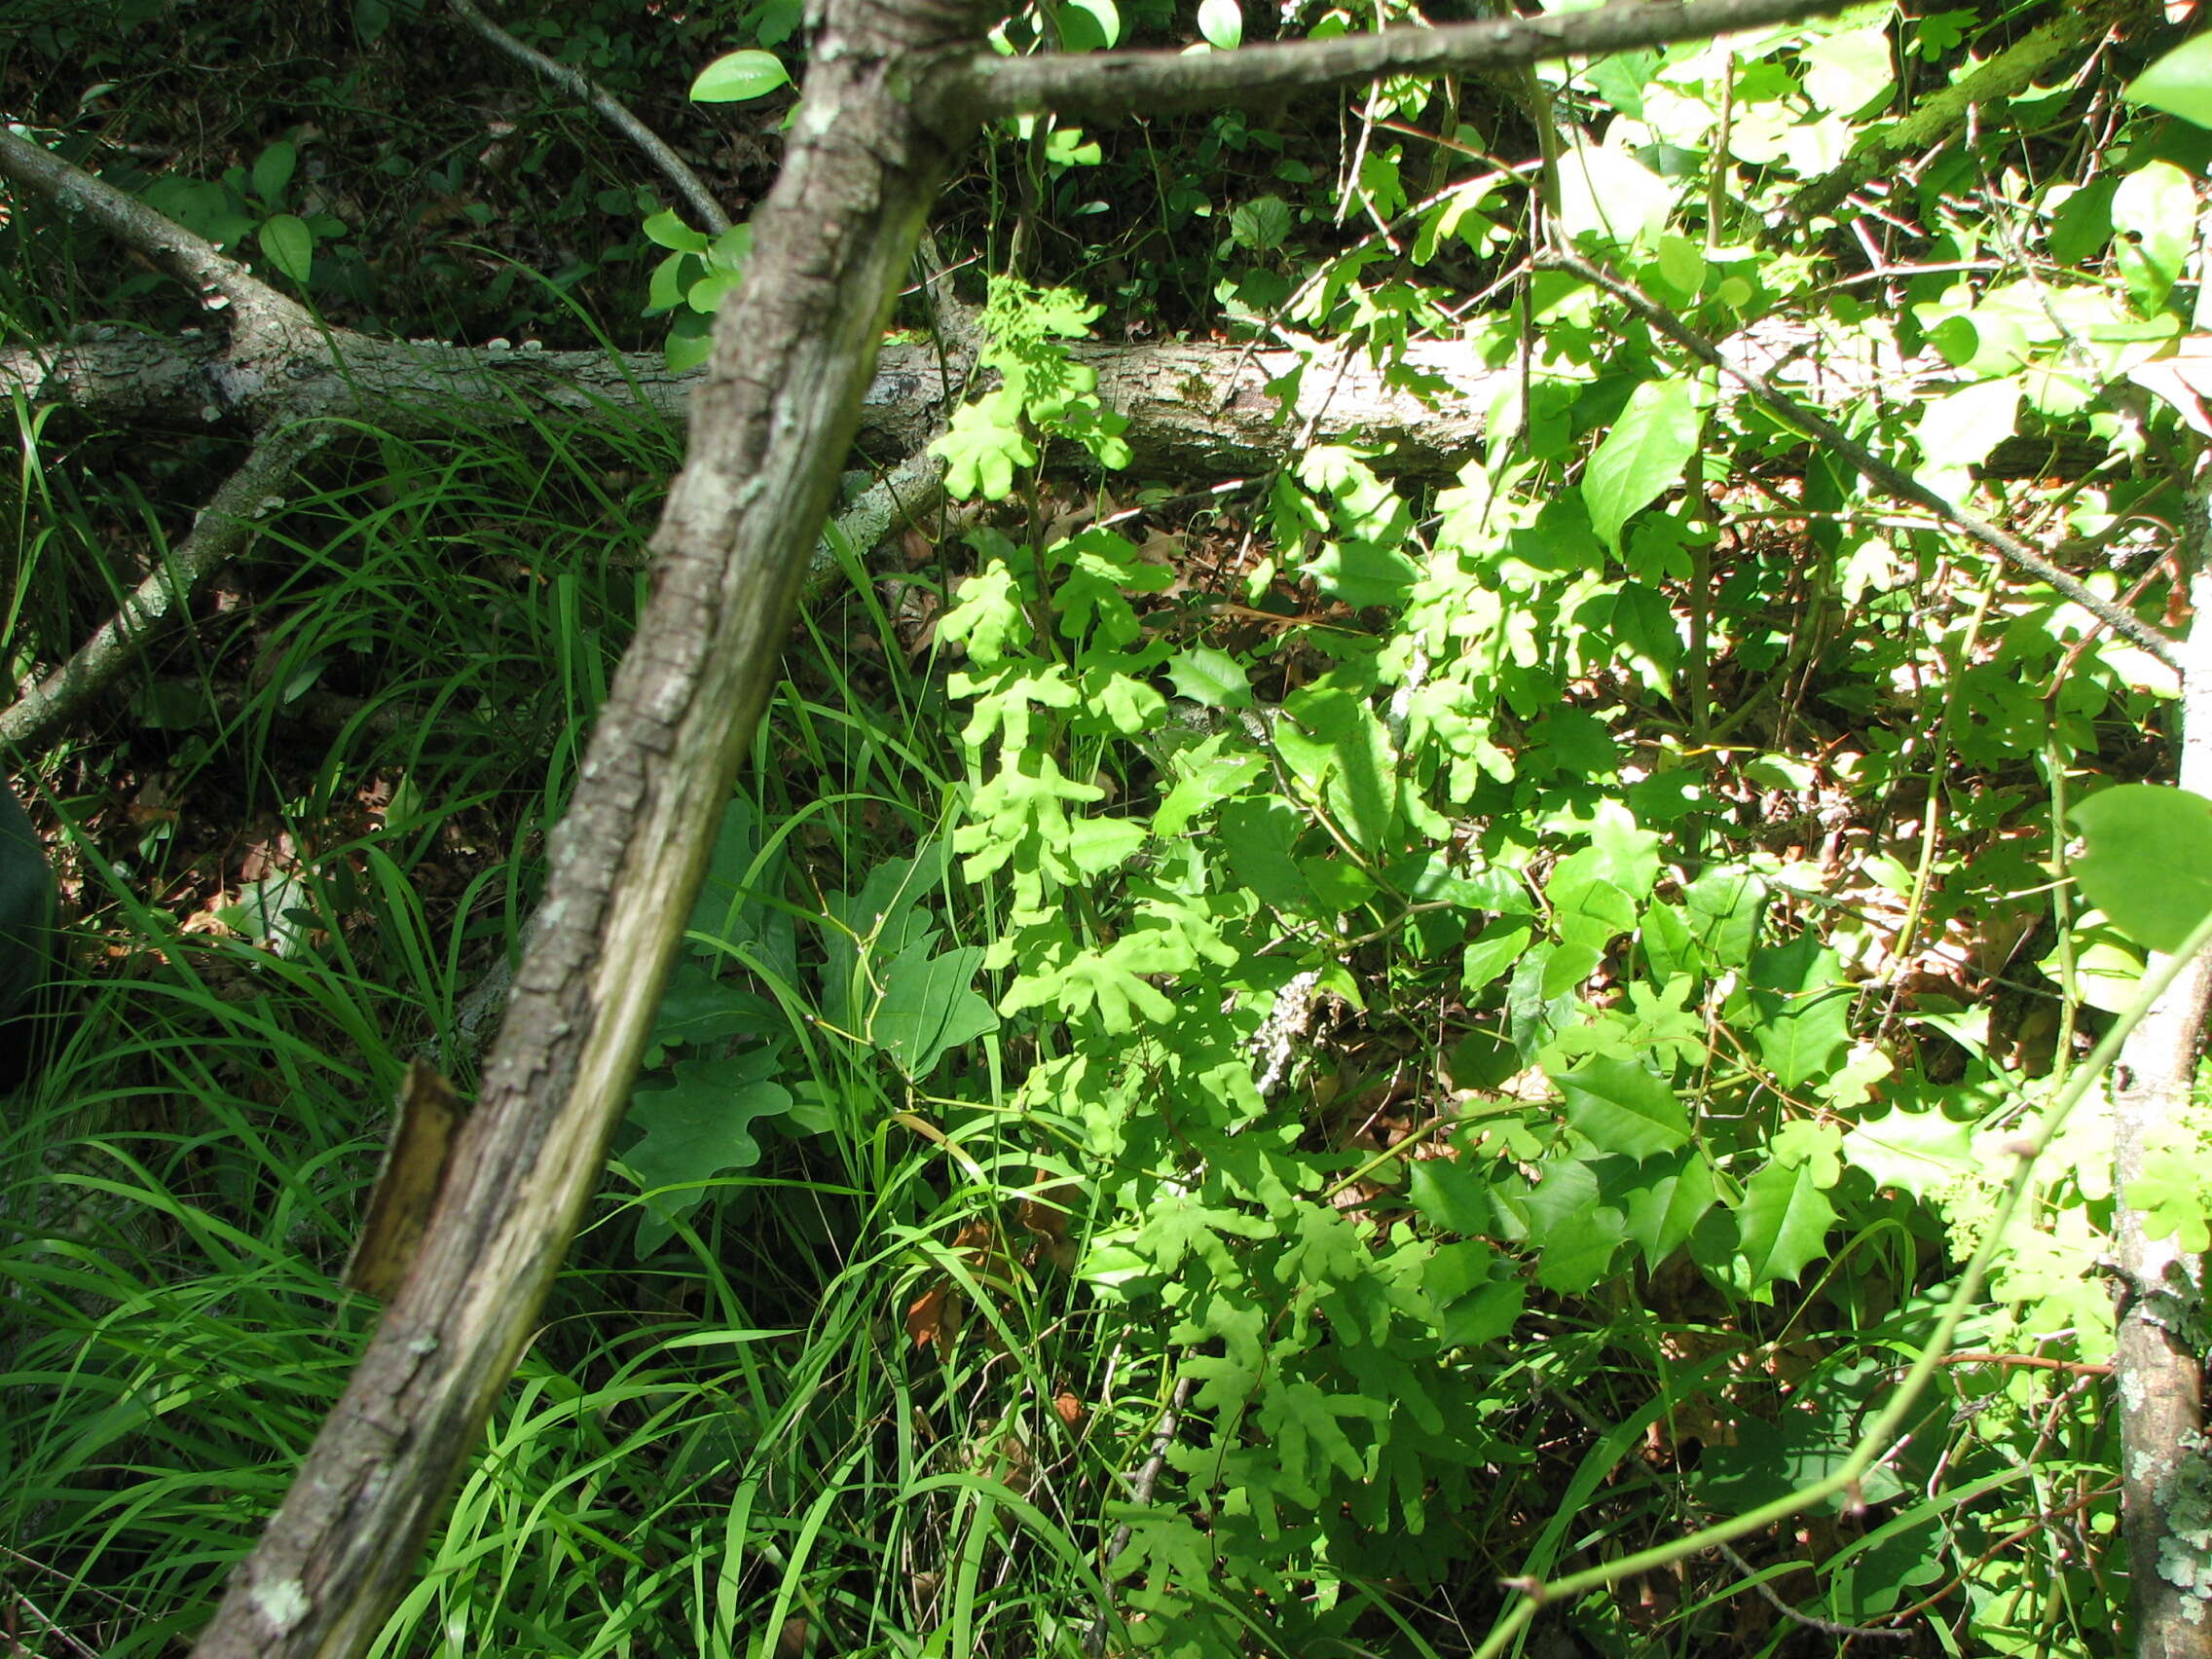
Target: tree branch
column 1942, row 113
column 677, row 171
column 223, row 529
column 2007, row 546
column 794, row 356
column 2158, row 1364
column 219, row 281
column 1135, row 83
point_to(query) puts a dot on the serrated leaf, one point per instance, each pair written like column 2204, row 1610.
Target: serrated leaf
column 1802, row 1009
column 1920, row 1152
column 1363, row 574
column 2148, row 863
column 290, row 245
column 1666, row 1200
column 1643, row 457
column 1622, row 1108
column 1782, row 1223
column 738, row 75
column 1472, row 1297
column 1453, row 1197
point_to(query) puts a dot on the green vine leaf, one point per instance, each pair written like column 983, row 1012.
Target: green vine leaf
column 1642, row 458
column 2148, row 861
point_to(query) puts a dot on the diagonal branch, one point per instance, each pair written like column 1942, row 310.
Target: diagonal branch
column 2007, row 546
column 794, row 356
column 219, row 281
column 677, row 171
column 1133, row 83
column 223, row 529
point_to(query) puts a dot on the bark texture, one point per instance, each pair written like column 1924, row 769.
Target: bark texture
column 792, row 360
column 2157, row 1357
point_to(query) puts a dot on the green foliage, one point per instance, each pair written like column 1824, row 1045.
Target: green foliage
column 1479, row 1022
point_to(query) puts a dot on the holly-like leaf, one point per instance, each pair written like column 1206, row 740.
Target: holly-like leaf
column 1803, row 1010
column 1450, row 1196
column 1666, row 1200
column 2148, row 861
column 1783, row 1222
column 1920, row 1152
column 1622, row 1108
column 1472, row 1297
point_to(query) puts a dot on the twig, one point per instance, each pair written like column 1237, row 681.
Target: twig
column 224, row 527
column 1140, row 1492
column 1827, row 1626
column 673, row 166
column 1837, row 442
column 2034, row 1362
column 1125, row 83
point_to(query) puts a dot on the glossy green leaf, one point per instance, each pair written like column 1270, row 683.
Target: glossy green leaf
column 1222, row 23
column 1622, row 1108
column 1473, row 1296
column 1801, row 1008
column 668, row 230
column 1492, row 952
column 2148, row 860
column 1450, row 1196
column 1643, row 457
column 1668, row 1197
column 290, row 245
column 2179, row 83
column 1210, row 677
column 1921, row 1152
column 1782, row 1223
column 738, row 75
